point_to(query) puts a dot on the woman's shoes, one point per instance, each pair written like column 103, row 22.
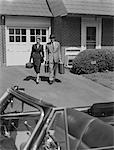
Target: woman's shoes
column 37, row 82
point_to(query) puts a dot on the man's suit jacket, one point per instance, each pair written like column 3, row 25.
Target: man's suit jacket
column 53, row 52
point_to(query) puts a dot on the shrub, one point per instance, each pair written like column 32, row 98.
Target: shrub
column 90, row 61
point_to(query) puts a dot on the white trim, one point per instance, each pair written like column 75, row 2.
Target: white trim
column 17, row 50
column 90, row 22
column 30, row 22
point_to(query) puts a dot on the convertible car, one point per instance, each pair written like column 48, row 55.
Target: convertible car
column 27, row 123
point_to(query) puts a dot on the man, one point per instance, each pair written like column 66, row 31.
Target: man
column 53, row 56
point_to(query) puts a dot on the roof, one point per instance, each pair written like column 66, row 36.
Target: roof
column 25, row 7
column 98, row 7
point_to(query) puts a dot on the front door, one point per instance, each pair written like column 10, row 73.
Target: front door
column 90, row 37
column 91, row 33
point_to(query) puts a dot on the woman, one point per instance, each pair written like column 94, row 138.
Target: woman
column 37, row 54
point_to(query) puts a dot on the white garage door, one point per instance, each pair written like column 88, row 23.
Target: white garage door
column 19, row 43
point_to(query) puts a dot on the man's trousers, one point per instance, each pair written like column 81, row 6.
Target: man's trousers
column 53, row 67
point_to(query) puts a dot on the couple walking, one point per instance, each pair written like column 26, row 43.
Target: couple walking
column 53, row 56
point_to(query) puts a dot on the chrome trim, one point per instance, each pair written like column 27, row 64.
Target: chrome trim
column 66, row 130
column 4, row 96
column 102, row 148
column 44, row 128
column 20, row 114
column 35, row 130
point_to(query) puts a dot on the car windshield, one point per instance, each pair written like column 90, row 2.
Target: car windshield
column 17, row 122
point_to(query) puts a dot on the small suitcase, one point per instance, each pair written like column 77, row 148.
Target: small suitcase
column 29, row 65
column 102, row 109
column 61, row 68
column 46, row 67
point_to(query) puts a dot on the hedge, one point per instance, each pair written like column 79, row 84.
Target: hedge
column 91, row 61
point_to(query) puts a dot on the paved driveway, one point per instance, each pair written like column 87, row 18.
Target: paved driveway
column 73, row 90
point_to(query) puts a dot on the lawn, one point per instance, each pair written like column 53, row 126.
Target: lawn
column 105, row 78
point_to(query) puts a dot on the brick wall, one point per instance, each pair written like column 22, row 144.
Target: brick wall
column 3, row 45
column 71, row 31
column 67, row 30
column 2, row 41
column 0, row 45
column 56, row 24
column 107, row 32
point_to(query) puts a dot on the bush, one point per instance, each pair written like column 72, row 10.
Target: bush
column 90, row 61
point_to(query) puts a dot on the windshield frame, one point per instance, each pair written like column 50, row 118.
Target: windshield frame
column 4, row 103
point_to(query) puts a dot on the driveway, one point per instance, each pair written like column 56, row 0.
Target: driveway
column 73, row 90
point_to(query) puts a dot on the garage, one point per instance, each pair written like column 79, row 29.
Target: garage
column 21, row 35
column 20, row 22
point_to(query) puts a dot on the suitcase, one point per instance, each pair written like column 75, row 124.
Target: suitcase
column 61, row 68
column 102, row 109
column 29, row 65
column 46, row 67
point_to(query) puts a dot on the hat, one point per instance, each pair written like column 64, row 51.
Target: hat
column 52, row 36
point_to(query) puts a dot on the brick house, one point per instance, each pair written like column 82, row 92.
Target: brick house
column 20, row 21
column 83, row 24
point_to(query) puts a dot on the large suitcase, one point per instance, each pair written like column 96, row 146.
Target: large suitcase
column 61, row 68
column 102, row 109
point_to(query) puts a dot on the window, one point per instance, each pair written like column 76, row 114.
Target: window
column 17, row 106
column 17, row 35
column 40, row 32
column 91, row 37
column 91, row 33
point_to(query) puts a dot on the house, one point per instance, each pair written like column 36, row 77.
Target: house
column 79, row 24
column 83, row 24
column 20, row 21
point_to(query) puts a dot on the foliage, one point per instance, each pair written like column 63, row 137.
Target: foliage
column 90, row 61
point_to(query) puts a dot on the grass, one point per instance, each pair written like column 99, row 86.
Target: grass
column 105, row 78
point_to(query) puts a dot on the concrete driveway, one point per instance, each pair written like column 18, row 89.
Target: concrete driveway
column 73, row 90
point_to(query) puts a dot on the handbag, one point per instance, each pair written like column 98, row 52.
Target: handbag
column 29, row 65
column 46, row 66
column 61, row 68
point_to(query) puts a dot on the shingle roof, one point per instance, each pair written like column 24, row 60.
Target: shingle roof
column 25, row 7
column 98, row 7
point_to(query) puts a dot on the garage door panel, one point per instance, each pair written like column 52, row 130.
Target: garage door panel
column 18, row 49
column 17, row 59
column 17, row 54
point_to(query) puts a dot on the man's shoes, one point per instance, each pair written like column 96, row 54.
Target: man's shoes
column 57, row 80
column 50, row 81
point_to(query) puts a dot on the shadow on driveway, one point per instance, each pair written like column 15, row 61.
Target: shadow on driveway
column 42, row 78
